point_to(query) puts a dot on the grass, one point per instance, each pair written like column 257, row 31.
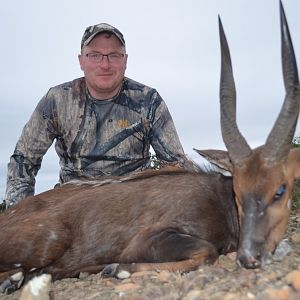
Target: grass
column 296, row 192
column 296, row 196
column 2, row 206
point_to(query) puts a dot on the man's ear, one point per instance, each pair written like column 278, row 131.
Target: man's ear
column 80, row 57
column 218, row 158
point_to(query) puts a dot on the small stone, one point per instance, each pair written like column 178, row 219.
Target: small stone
column 231, row 296
column 164, row 276
column 193, row 295
column 108, row 282
column 126, row 287
column 83, row 275
column 293, row 279
column 228, row 261
column 295, row 237
column 123, row 274
column 144, row 274
column 298, row 216
column 272, row 276
column 282, row 250
column 278, row 294
column 250, row 295
column 232, row 255
column 37, row 288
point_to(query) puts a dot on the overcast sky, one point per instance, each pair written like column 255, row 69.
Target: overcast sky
column 172, row 45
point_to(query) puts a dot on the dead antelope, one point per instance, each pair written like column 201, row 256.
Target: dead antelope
column 168, row 219
column 263, row 178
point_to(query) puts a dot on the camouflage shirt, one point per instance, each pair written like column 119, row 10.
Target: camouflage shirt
column 93, row 137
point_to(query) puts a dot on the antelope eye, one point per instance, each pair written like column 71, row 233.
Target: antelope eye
column 280, row 192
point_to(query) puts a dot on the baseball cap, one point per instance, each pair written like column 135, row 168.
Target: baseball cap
column 93, row 30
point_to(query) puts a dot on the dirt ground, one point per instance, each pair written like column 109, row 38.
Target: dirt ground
column 279, row 280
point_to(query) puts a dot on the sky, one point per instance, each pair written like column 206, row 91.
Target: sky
column 173, row 46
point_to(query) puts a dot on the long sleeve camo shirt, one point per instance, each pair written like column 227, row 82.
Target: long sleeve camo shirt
column 92, row 137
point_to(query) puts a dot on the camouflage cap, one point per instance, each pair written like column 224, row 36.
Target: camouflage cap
column 93, row 30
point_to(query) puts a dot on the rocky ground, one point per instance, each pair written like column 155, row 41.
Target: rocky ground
column 226, row 281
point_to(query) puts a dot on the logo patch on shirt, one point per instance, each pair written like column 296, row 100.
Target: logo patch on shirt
column 123, row 123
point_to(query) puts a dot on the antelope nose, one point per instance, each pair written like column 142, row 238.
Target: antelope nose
column 248, row 261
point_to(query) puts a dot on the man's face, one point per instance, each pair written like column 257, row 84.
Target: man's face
column 103, row 78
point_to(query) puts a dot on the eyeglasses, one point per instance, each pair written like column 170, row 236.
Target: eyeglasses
column 98, row 57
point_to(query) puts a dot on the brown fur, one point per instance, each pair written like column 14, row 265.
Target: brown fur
column 172, row 220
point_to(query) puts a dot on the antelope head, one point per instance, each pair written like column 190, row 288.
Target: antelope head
column 263, row 178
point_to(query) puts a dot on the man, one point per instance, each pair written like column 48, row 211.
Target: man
column 103, row 123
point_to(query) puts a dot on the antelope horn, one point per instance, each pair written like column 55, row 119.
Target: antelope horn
column 279, row 140
column 237, row 147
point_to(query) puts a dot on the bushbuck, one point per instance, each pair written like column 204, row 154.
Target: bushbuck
column 173, row 219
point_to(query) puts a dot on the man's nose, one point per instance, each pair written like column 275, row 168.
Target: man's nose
column 104, row 63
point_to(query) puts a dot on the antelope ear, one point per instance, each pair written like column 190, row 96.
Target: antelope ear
column 293, row 162
column 218, row 158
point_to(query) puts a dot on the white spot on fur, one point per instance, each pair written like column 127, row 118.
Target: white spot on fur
column 17, row 276
column 17, row 265
column 53, row 236
column 289, row 204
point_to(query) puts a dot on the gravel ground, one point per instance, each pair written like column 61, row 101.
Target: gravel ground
column 226, row 281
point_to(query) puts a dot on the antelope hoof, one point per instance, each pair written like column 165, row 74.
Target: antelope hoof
column 110, row 271
column 7, row 287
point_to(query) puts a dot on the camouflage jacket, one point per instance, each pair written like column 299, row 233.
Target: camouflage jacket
column 93, row 138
